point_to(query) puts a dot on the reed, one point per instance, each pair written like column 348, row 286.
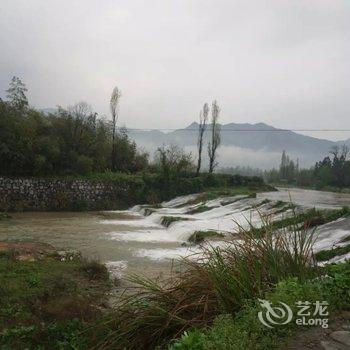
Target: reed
column 218, row 281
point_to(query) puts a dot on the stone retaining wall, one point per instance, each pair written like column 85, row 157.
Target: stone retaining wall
column 44, row 194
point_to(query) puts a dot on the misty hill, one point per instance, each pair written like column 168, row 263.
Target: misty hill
column 48, row 111
column 245, row 144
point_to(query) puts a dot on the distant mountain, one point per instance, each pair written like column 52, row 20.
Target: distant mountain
column 345, row 142
column 261, row 143
column 48, row 111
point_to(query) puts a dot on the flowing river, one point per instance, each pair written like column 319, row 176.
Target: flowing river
column 136, row 241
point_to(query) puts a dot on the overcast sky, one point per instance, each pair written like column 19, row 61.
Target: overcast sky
column 282, row 62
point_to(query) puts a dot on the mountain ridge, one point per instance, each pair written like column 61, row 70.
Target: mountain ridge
column 258, row 137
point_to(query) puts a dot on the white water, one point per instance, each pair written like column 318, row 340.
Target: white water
column 225, row 215
column 131, row 242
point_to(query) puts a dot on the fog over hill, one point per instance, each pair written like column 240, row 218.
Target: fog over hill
column 256, row 145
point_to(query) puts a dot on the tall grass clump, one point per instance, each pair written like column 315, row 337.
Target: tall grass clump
column 218, row 281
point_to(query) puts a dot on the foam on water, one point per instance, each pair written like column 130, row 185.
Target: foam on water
column 181, row 200
column 156, row 235
column 225, row 215
column 222, row 218
column 175, row 253
column 330, row 235
column 116, row 268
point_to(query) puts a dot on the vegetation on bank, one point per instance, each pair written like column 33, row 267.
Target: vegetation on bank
column 332, row 173
column 168, row 220
column 244, row 330
column 77, row 141
column 327, row 254
column 74, row 140
column 201, row 236
column 201, row 209
column 220, row 282
column 3, row 216
column 49, row 303
column 151, row 188
column 303, row 220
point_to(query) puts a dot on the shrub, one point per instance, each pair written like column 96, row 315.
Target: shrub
column 244, row 331
column 168, row 220
column 95, row 270
column 78, row 205
column 200, row 236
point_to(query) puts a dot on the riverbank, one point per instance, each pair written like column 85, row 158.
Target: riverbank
column 244, row 330
column 56, row 303
column 345, row 190
column 110, row 191
column 49, row 299
column 214, row 300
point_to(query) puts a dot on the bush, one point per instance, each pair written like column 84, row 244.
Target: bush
column 244, row 331
column 82, row 164
column 95, row 270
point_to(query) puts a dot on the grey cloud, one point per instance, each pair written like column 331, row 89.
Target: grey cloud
column 278, row 61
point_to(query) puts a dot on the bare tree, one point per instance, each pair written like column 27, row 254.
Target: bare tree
column 83, row 117
column 203, row 119
column 215, row 136
column 116, row 94
column 16, row 93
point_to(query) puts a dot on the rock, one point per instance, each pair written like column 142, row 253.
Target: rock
column 26, row 257
column 331, row 345
column 69, row 255
column 342, row 337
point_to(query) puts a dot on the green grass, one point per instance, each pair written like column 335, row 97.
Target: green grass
column 213, row 193
column 49, row 303
column 259, row 204
column 200, row 236
column 201, row 209
column 345, row 239
column 328, row 254
column 153, row 188
column 4, row 216
column 282, row 206
column 307, row 219
column 244, row 331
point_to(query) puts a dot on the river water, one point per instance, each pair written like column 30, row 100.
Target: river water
column 132, row 242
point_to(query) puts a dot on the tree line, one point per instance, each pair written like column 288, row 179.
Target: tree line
column 73, row 140
column 332, row 171
column 77, row 141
